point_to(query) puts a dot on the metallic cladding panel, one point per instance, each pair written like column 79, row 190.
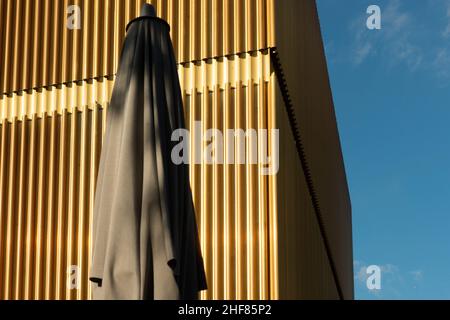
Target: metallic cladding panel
column 304, row 270
column 39, row 50
column 299, row 46
column 232, row 200
column 47, row 176
column 256, row 231
column 52, row 99
column 50, row 146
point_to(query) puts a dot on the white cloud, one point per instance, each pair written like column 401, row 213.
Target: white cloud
column 390, row 269
column 394, row 41
column 441, row 63
column 361, row 275
column 446, row 32
column 393, row 280
column 362, row 52
column 406, row 41
column 330, row 50
column 409, row 54
column 396, row 20
column 387, row 270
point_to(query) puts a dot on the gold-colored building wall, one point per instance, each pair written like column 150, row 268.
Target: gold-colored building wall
column 47, row 178
column 303, row 267
column 51, row 141
column 259, row 234
column 300, row 53
column 233, row 201
column 39, row 50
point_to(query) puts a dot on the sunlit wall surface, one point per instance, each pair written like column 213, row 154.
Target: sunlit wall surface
column 243, row 64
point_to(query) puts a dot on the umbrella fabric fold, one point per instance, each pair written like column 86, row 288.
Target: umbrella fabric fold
column 145, row 238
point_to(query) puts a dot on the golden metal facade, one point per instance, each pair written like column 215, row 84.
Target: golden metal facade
column 301, row 54
column 259, row 234
column 39, row 50
column 233, row 202
column 50, row 146
column 47, row 179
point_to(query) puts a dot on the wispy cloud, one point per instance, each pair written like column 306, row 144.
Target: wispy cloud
column 405, row 41
column 394, row 282
column 362, row 51
column 446, row 32
column 396, row 20
column 410, row 54
column 393, row 41
column 330, row 50
column 441, row 62
column 387, row 270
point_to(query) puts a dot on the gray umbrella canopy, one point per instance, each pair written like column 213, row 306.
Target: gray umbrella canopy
column 145, row 238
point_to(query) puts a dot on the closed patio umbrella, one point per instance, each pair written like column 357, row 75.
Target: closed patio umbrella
column 145, row 238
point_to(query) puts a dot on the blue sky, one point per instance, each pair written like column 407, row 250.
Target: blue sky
column 391, row 90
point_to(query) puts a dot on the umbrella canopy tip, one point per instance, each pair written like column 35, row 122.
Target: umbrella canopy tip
column 148, row 10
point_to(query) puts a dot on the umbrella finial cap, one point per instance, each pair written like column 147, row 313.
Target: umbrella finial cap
column 148, row 10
